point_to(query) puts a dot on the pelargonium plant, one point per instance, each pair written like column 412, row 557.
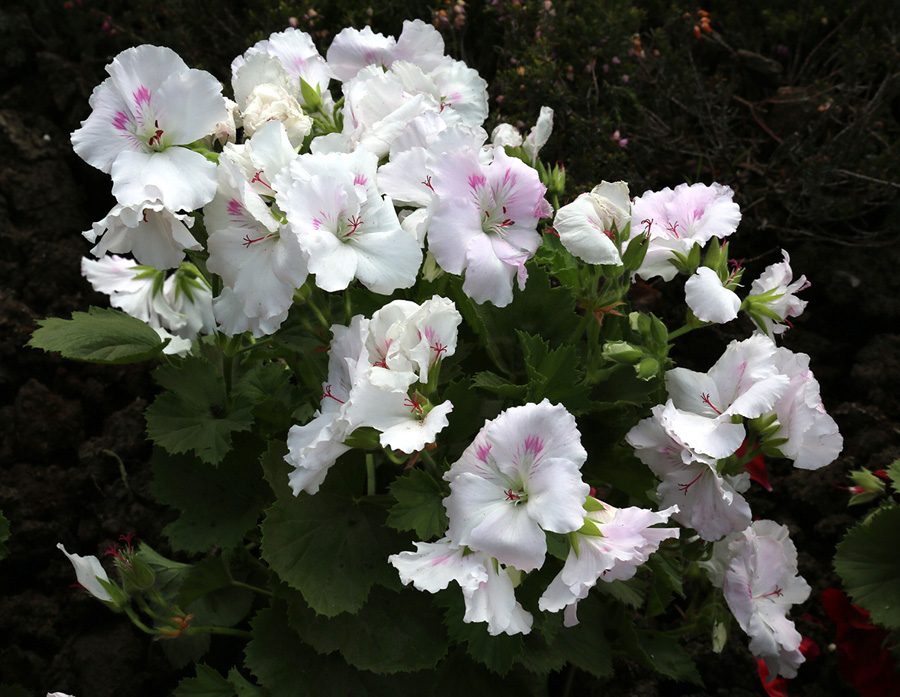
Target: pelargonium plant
column 410, row 422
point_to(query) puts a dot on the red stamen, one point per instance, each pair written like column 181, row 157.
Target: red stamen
column 438, row 349
column 673, row 228
column 157, row 137
column 127, row 540
column 510, row 496
column 427, row 182
column 705, row 398
column 414, row 403
column 777, row 592
column 113, row 550
column 649, row 223
column 684, row 487
column 247, row 241
column 327, row 393
column 257, row 178
column 355, row 221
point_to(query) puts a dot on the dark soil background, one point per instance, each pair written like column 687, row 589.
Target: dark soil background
column 73, row 458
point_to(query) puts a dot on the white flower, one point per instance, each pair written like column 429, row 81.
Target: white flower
column 353, row 49
column 585, row 225
column 626, row 541
column 256, row 256
column 89, row 573
column 813, row 438
column 151, row 104
column 539, row 135
column 485, row 222
column 487, row 588
column 344, row 226
column 760, row 584
column 708, row 502
column 775, row 291
column 154, row 234
column 709, row 299
column 506, row 135
column 745, row 381
column 677, row 220
column 519, row 477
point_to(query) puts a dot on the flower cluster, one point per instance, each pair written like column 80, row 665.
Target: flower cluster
column 518, row 479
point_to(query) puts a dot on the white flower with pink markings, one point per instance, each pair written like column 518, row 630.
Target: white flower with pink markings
column 776, row 290
column 678, row 219
column 485, row 221
column 519, row 477
column 152, row 104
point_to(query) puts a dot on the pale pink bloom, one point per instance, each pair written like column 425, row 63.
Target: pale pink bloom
column 353, row 49
column 155, row 235
column 778, row 289
column 813, row 438
column 709, row 299
column 677, row 220
column 256, row 256
column 519, row 477
column 89, row 574
column 760, row 585
column 299, row 57
column 708, row 502
column 585, row 225
column 344, row 226
column 626, row 541
column 461, row 91
column 485, row 222
column 745, row 381
column 151, row 104
column 231, row 319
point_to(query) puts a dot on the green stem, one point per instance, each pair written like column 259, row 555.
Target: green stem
column 683, row 330
column 324, row 322
column 370, row 474
column 227, row 631
column 348, row 311
column 255, row 589
column 137, row 623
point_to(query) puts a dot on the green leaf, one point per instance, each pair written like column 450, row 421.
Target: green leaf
column 218, row 505
column 893, row 473
column 14, row 691
column 497, row 653
column 492, row 382
column 585, row 645
column 242, row 686
column 868, row 562
column 289, row 668
column 666, row 582
column 333, row 546
column 208, row 683
column 419, row 505
column 4, row 536
column 393, row 632
column 206, row 576
column 665, row 655
column 553, row 374
column 98, row 336
column 197, row 414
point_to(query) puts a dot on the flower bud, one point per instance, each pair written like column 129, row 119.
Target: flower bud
column 622, row 352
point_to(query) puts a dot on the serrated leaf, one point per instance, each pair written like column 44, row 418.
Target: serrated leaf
column 868, row 562
column 492, row 382
column 100, row 335
column 893, row 473
column 667, row 656
column 553, row 374
column 419, row 505
column 666, row 582
column 197, row 415
column 393, row 632
column 585, row 645
column 287, row 667
column 497, row 653
column 207, row 683
column 242, row 686
column 333, row 546
column 218, row 504
column 204, row 577
column 626, row 592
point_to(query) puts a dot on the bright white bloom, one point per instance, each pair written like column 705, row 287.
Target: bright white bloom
column 485, row 222
column 262, row 157
column 677, row 220
column 519, row 477
column 155, row 235
column 231, row 319
column 775, row 290
column 506, row 135
column 88, row 571
column 488, row 591
column 745, row 381
column 225, row 131
column 58, row 694
column 256, row 256
column 314, row 447
column 813, row 438
column 299, row 57
column 539, row 135
column 585, row 225
column 353, row 49
column 760, row 584
column 706, row 501
column 344, row 225
column 264, row 92
column 709, row 299
column 626, row 541
column 151, row 104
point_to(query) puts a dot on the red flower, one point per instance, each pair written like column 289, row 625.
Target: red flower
column 778, row 686
column 863, row 661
